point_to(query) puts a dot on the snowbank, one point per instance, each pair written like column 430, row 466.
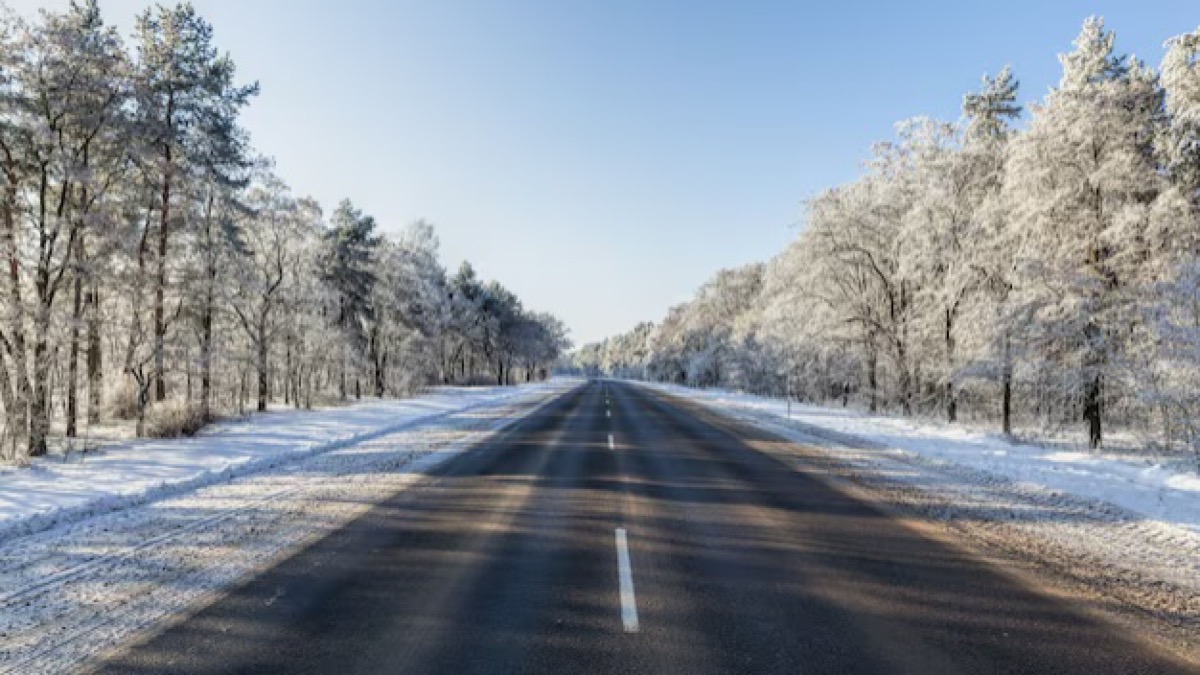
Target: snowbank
column 1147, row 488
column 53, row 491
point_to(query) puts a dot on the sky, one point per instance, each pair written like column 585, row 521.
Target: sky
column 603, row 158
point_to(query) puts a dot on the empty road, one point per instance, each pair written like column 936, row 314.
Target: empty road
column 618, row 530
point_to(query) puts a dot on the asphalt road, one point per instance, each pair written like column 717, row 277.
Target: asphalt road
column 679, row 546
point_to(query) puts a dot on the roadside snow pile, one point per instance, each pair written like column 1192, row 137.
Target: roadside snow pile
column 54, row 491
column 1152, row 490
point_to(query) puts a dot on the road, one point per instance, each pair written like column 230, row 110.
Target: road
column 618, row 530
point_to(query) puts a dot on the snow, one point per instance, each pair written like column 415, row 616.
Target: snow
column 56, row 490
column 1156, row 491
column 75, row 591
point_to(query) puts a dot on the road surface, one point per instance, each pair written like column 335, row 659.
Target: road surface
column 618, row 530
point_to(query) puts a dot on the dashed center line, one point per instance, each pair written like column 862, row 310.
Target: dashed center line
column 629, row 615
column 611, row 445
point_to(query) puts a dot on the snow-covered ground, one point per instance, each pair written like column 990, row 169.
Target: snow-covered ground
column 1123, row 529
column 59, row 489
column 142, row 534
column 1153, row 489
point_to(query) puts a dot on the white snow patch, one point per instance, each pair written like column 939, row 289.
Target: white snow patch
column 54, row 491
column 1155, row 491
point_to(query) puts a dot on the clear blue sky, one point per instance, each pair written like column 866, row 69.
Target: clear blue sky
column 604, row 158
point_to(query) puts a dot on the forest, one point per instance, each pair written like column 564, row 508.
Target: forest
column 157, row 271
column 1033, row 269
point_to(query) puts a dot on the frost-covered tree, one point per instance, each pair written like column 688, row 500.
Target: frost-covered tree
column 418, row 308
column 1172, row 371
column 1081, row 183
column 186, row 111
column 941, row 225
column 61, row 143
column 989, row 115
column 467, row 334
column 146, row 256
column 266, row 249
column 854, row 238
column 348, row 267
column 1040, row 275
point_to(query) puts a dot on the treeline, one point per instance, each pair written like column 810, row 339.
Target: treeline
column 1041, row 275
column 155, row 269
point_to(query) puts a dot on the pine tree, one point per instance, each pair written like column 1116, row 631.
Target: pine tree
column 1180, row 141
column 1080, row 185
column 187, row 105
column 347, row 268
column 989, row 116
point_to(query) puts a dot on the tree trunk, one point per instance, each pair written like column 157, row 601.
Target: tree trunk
column 39, row 408
column 378, row 363
column 143, row 396
column 135, row 302
column 160, row 290
column 95, row 357
column 951, row 394
column 380, row 375
column 73, row 353
column 342, row 383
column 8, row 398
column 206, row 353
column 262, row 364
column 872, row 376
column 18, row 414
column 1006, row 377
column 160, row 285
column 207, row 312
column 287, row 371
column 308, row 392
column 1092, row 411
column 1093, row 363
column 241, row 399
